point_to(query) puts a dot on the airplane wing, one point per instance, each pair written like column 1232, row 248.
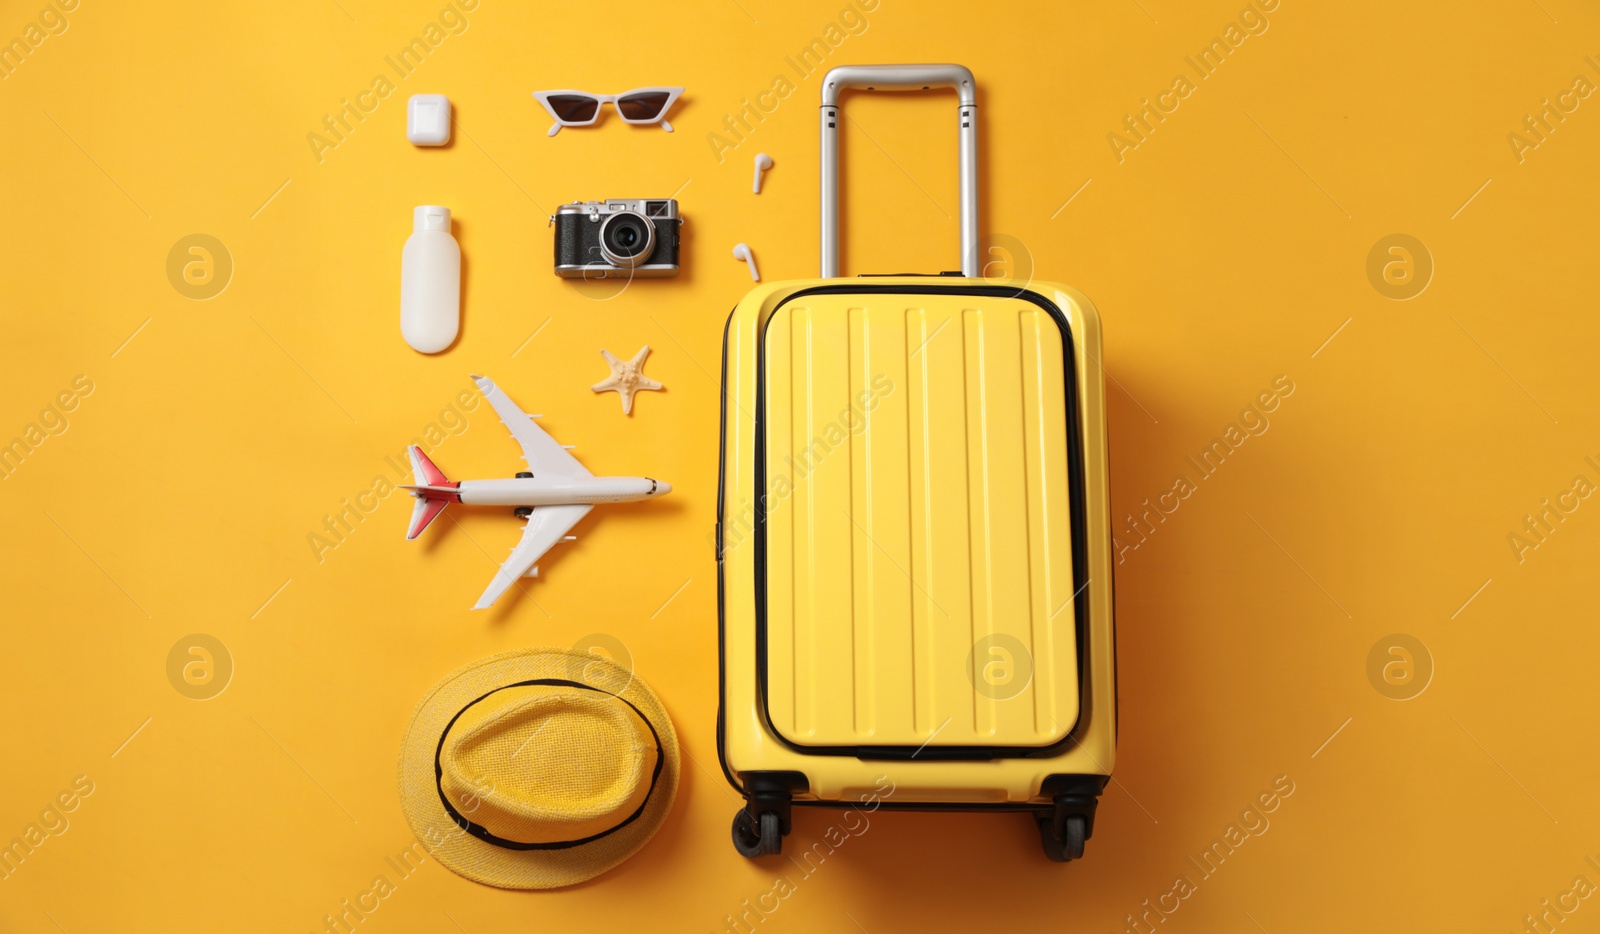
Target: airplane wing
column 545, row 527
column 545, row 457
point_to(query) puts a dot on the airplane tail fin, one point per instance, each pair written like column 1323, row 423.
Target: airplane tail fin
column 433, row 491
column 423, row 469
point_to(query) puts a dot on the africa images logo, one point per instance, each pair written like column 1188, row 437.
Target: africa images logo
column 1140, row 524
column 337, row 126
column 740, row 124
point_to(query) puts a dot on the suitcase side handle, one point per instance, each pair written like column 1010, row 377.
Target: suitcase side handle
column 900, row 78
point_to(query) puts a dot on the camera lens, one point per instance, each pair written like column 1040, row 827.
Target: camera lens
column 627, row 239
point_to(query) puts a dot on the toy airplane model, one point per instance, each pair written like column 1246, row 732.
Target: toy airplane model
column 552, row 494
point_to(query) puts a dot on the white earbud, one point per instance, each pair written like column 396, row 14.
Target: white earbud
column 742, row 251
column 763, row 163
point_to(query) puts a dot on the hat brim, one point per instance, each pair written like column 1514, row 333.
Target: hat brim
column 484, row 862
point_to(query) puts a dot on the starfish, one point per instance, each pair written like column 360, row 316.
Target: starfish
column 626, row 378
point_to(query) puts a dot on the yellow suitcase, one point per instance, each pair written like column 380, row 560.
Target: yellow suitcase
column 913, row 535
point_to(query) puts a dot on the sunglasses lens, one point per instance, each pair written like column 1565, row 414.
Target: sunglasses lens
column 573, row 108
column 644, row 106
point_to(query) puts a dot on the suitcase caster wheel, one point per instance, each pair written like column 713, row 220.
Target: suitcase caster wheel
column 752, row 842
column 1065, row 845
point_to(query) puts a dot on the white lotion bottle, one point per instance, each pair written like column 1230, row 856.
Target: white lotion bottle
column 430, row 282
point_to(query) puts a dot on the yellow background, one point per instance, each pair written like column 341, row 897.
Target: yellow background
column 1222, row 252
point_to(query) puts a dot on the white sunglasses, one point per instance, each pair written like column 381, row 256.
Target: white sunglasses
column 580, row 108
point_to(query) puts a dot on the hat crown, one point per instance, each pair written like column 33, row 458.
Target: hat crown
column 547, row 763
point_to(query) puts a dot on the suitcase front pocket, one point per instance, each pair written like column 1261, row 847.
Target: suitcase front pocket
column 916, row 542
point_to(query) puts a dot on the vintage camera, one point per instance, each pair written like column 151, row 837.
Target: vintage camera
column 617, row 238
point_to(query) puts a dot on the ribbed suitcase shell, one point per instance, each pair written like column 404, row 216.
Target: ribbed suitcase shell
column 919, row 571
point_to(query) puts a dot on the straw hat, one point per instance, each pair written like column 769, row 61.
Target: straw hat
column 538, row 768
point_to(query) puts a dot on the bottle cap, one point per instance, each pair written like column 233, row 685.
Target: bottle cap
column 431, row 217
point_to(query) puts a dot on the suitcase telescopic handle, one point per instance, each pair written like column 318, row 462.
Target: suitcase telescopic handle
column 900, row 78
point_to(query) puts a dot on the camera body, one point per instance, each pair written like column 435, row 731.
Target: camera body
column 619, row 238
